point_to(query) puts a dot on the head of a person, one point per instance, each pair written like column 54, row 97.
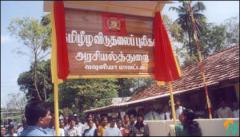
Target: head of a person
column 222, row 104
column 178, row 103
column 119, row 124
column 165, row 108
column 77, row 119
column 90, row 123
column 3, row 131
column 65, row 119
column 97, row 122
column 132, row 119
column 126, row 118
column 61, row 122
column 235, row 106
column 187, row 116
column 143, row 110
column 140, row 118
column 112, row 122
column 104, row 121
column 89, row 117
column 155, row 107
column 38, row 113
column 72, row 121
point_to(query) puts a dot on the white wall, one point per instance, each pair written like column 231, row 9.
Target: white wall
column 209, row 127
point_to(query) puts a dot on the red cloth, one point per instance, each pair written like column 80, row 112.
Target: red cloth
column 62, row 54
column 164, row 66
column 120, row 23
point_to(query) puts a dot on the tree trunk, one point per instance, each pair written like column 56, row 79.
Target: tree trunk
column 44, row 89
column 201, row 65
column 35, row 77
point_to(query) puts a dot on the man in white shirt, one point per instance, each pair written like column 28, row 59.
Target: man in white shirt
column 165, row 115
column 89, row 118
column 112, row 130
column 179, row 108
column 72, row 130
column 152, row 114
column 79, row 126
column 224, row 111
column 91, row 131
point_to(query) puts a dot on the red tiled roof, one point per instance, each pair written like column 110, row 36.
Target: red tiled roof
column 218, row 67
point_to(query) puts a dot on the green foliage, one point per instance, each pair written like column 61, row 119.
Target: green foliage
column 25, row 81
column 36, row 37
column 129, row 86
column 185, row 13
column 184, row 16
column 32, row 33
column 84, row 94
column 232, row 29
column 76, row 95
column 213, row 39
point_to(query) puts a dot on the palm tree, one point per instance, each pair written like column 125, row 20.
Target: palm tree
column 186, row 12
column 192, row 22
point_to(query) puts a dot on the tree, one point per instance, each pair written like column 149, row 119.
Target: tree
column 79, row 94
column 14, row 107
column 232, row 29
column 190, row 20
column 43, row 73
column 130, row 86
column 186, row 13
column 84, row 94
column 213, row 39
column 16, row 101
column 36, row 37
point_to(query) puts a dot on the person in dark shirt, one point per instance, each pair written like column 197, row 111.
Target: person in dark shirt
column 141, row 129
column 188, row 126
column 131, row 126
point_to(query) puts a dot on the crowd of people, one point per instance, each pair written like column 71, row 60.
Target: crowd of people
column 39, row 122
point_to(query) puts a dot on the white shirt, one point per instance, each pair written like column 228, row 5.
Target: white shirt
column 72, row 132
column 66, row 127
column 85, row 126
column 162, row 116
column 224, row 112
column 19, row 130
column 80, row 129
column 179, row 111
column 152, row 115
column 62, row 132
column 112, row 132
column 90, row 132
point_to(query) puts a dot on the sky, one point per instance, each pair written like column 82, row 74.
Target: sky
column 13, row 64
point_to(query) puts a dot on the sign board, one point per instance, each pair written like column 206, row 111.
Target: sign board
column 93, row 52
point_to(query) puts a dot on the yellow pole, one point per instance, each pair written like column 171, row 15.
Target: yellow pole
column 55, row 80
column 56, row 108
column 172, row 101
